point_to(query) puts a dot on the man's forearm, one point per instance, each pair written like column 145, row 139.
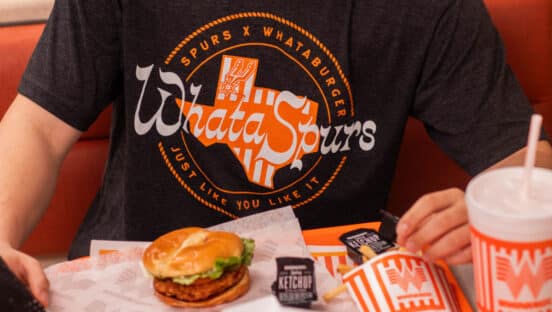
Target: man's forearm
column 543, row 157
column 33, row 144
column 27, row 181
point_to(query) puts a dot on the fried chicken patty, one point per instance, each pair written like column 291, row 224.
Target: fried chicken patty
column 201, row 289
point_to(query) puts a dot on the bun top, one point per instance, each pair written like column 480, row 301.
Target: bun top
column 189, row 251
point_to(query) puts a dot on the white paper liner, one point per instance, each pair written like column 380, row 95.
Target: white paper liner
column 116, row 282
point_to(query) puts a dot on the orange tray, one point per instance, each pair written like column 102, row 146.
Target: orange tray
column 330, row 236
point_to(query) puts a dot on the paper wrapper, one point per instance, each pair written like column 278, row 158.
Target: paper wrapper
column 117, row 282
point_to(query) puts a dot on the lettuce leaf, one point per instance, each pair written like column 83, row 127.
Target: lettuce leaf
column 221, row 264
column 249, row 247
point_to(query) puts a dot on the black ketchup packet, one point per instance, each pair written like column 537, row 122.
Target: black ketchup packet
column 388, row 227
column 295, row 283
column 14, row 296
column 356, row 238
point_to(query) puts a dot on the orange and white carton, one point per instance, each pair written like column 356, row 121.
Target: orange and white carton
column 399, row 281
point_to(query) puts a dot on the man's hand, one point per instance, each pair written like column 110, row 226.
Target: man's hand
column 437, row 224
column 28, row 270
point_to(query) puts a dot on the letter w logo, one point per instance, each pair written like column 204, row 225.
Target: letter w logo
column 529, row 273
column 416, row 276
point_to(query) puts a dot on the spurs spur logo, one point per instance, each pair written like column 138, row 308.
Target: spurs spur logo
column 235, row 79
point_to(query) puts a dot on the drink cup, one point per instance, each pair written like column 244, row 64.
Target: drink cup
column 511, row 232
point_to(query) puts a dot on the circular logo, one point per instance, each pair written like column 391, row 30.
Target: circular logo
column 267, row 115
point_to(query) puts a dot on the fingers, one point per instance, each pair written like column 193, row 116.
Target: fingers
column 437, row 224
column 37, row 281
column 423, row 210
column 461, row 257
column 29, row 271
column 449, row 244
column 440, row 229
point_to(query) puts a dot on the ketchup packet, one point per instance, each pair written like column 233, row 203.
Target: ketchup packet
column 295, row 283
column 356, row 238
column 388, row 227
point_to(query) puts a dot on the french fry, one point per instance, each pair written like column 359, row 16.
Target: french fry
column 334, row 292
column 403, row 249
column 367, row 252
column 343, row 268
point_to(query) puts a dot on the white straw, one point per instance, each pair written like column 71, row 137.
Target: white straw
column 534, row 133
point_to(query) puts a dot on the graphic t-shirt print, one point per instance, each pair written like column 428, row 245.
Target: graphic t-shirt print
column 270, row 93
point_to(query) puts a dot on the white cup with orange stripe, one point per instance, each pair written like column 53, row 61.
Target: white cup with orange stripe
column 512, row 239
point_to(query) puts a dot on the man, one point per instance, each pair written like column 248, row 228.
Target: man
column 223, row 109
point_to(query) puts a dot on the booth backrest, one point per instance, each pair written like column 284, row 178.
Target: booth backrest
column 525, row 26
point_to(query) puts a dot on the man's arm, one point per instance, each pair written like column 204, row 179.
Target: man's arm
column 543, row 159
column 438, row 222
column 33, row 144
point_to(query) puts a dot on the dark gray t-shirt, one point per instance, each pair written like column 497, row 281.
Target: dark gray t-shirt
column 222, row 109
